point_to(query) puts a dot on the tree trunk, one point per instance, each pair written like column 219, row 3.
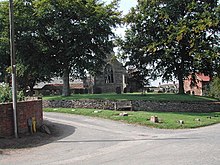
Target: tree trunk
column 181, row 84
column 66, row 84
column 31, row 93
column 31, row 86
column 183, row 53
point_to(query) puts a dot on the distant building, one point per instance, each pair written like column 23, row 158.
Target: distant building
column 169, row 88
column 112, row 79
column 196, row 85
column 55, row 87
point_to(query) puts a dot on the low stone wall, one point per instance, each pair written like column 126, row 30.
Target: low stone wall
column 138, row 105
column 25, row 110
column 94, row 104
column 176, row 106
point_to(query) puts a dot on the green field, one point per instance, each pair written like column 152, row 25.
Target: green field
column 168, row 120
column 134, row 96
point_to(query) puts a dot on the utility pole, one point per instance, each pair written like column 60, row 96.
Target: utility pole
column 13, row 66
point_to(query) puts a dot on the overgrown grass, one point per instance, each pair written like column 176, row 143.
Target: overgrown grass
column 134, row 96
column 167, row 120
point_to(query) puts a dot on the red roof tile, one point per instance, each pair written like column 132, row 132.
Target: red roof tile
column 72, row 86
column 203, row 77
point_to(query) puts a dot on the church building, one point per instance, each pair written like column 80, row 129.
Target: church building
column 112, row 79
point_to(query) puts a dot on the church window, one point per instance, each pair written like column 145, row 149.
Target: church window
column 108, row 73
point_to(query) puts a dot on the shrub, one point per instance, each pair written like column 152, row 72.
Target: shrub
column 6, row 93
column 215, row 88
column 20, row 96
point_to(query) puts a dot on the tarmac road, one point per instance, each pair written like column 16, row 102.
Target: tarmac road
column 93, row 141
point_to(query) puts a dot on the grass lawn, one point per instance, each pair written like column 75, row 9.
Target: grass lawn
column 134, row 96
column 168, row 120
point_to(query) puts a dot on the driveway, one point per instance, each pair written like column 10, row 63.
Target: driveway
column 93, row 141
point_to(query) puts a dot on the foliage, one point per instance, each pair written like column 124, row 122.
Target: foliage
column 78, row 33
column 215, row 88
column 4, row 41
column 134, row 96
column 168, row 120
column 31, row 58
column 6, row 93
column 136, row 79
column 58, row 37
column 172, row 38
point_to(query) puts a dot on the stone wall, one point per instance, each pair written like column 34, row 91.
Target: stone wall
column 25, row 110
column 138, row 105
column 94, row 104
column 176, row 106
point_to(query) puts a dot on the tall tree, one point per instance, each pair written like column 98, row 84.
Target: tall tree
column 78, row 33
column 174, row 38
column 4, row 41
column 32, row 53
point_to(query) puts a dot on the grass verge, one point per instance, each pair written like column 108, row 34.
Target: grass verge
column 168, row 120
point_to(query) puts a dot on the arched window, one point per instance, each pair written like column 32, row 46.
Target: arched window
column 108, row 73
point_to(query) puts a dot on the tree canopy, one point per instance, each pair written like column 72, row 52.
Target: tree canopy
column 59, row 37
column 31, row 59
column 172, row 38
column 78, row 33
column 4, row 41
column 32, row 52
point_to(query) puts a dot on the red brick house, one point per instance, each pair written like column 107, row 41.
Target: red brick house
column 197, row 86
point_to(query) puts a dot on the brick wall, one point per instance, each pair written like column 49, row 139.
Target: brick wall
column 193, row 90
column 25, row 110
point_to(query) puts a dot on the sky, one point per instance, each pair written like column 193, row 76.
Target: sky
column 124, row 6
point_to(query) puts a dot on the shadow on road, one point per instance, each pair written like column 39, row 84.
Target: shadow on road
column 58, row 131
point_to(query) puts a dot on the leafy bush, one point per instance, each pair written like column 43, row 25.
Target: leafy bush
column 20, row 96
column 215, row 88
column 6, row 93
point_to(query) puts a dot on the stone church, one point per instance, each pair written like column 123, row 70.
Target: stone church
column 112, row 79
